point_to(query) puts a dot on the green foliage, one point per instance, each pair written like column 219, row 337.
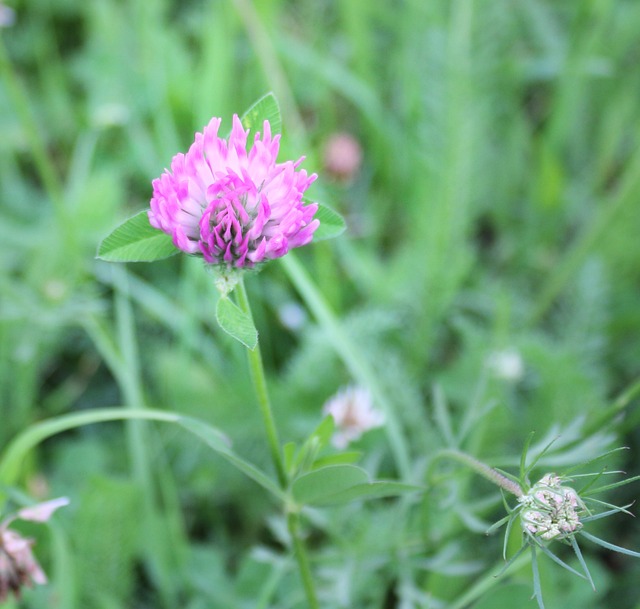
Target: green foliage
column 331, row 223
column 493, row 212
column 135, row 240
column 334, row 484
column 265, row 109
column 106, row 541
column 236, row 323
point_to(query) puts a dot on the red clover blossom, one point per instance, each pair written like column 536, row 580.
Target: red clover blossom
column 232, row 207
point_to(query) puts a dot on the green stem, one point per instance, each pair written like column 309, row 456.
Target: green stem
column 293, row 523
column 260, row 383
column 293, row 519
column 482, row 469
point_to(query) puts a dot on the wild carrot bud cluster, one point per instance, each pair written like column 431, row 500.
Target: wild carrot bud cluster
column 550, row 509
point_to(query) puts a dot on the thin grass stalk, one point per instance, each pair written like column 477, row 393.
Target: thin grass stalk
column 13, row 456
column 482, row 469
column 353, row 359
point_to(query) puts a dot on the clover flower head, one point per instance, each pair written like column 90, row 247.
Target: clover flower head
column 18, row 566
column 231, row 206
column 550, row 509
column 353, row 413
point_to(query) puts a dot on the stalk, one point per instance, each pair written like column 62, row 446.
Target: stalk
column 484, row 470
column 260, row 384
column 293, row 518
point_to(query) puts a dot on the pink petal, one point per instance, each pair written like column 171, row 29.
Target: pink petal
column 42, row 511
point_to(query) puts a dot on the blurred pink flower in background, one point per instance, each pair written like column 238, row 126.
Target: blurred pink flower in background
column 353, row 413
column 18, row 566
column 342, row 156
column 233, row 207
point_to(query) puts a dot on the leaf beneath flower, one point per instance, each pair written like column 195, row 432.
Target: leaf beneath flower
column 135, row 240
column 265, row 109
column 235, row 322
column 332, row 223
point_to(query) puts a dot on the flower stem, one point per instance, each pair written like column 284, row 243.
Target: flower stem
column 293, row 518
column 260, row 383
column 293, row 523
column 484, row 470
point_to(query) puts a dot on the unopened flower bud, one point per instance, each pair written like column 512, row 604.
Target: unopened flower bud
column 550, row 509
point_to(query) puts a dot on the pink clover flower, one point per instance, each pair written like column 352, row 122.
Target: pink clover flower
column 231, row 206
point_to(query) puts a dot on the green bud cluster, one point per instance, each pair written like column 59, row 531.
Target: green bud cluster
column 550, row 509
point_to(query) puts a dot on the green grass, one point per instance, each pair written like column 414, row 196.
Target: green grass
column 496, row 208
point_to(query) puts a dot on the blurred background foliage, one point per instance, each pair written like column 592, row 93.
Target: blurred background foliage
column 490, row 275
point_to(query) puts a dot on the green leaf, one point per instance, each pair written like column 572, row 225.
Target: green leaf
column 614, row 510
column 537, row 588
column 338, row 459
column 583, row 564
column 557, row 559
column 343, row 483
column 289, row 453
column 608, row 487
column 609, row 546
column 318, row 439
column 13, row 456
column 221, row 445
column 324, row 431
column 332, row 223
column 135, row 240
column 236, row 323
column 523, row 458
column 324, row 482
column 265, row 109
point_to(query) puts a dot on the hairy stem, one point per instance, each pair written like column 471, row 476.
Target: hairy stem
column 484, row 470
